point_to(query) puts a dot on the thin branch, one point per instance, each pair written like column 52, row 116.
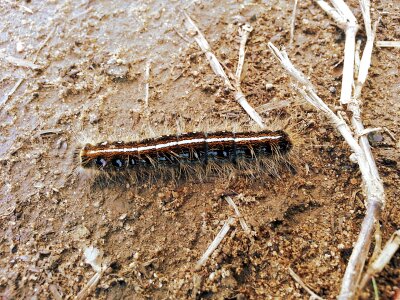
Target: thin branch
column 354, row 105
column 215, row 243
column 372, row 184
column 365, row 62
column 205, row 47
column 344, row 10
column 348, row 64
column 390, row 134
column 303, row 285
column 219, row 71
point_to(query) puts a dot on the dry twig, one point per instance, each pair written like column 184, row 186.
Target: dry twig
column 243, row 223
column 10, row 92
column 146, row 85
column 215, row 243
column 293, row 21
column 395, row 44
column 20, row 62
column 23, row 7
column 219, row 71
column 303, row 285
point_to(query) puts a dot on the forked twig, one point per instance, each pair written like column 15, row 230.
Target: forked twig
column 372, row 185
column 383, row 259
column 303, row 285
column 219, row 71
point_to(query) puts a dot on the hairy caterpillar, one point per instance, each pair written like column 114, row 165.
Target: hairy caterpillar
column 186, row 154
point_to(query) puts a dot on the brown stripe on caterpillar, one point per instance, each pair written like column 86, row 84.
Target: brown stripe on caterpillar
column 186, row 150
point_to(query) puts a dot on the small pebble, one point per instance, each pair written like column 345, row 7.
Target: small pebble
column 375, row 138
column 20, row 47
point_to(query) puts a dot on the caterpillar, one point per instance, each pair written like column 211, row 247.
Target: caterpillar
column 184, row 154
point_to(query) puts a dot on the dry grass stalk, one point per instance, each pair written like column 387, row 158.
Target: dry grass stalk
column 90, row 285
column 55, row 292
column 219, row 71
column 11, row 92
column 373, row 187
column 243, row 223
column 293, row 22
column 390, row 134
column 215, row 243
column 20, row 62
column 23, row 7
column 244, row 33
column 146, row 85
column 378, row 242
column 303, row 285
column 383, row 259
column 395, row 44
column 44, row 43
column 273, row 105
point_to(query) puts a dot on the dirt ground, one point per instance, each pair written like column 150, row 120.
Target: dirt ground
column 92, row 56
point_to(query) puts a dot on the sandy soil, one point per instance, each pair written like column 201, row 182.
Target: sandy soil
column 91, row 84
